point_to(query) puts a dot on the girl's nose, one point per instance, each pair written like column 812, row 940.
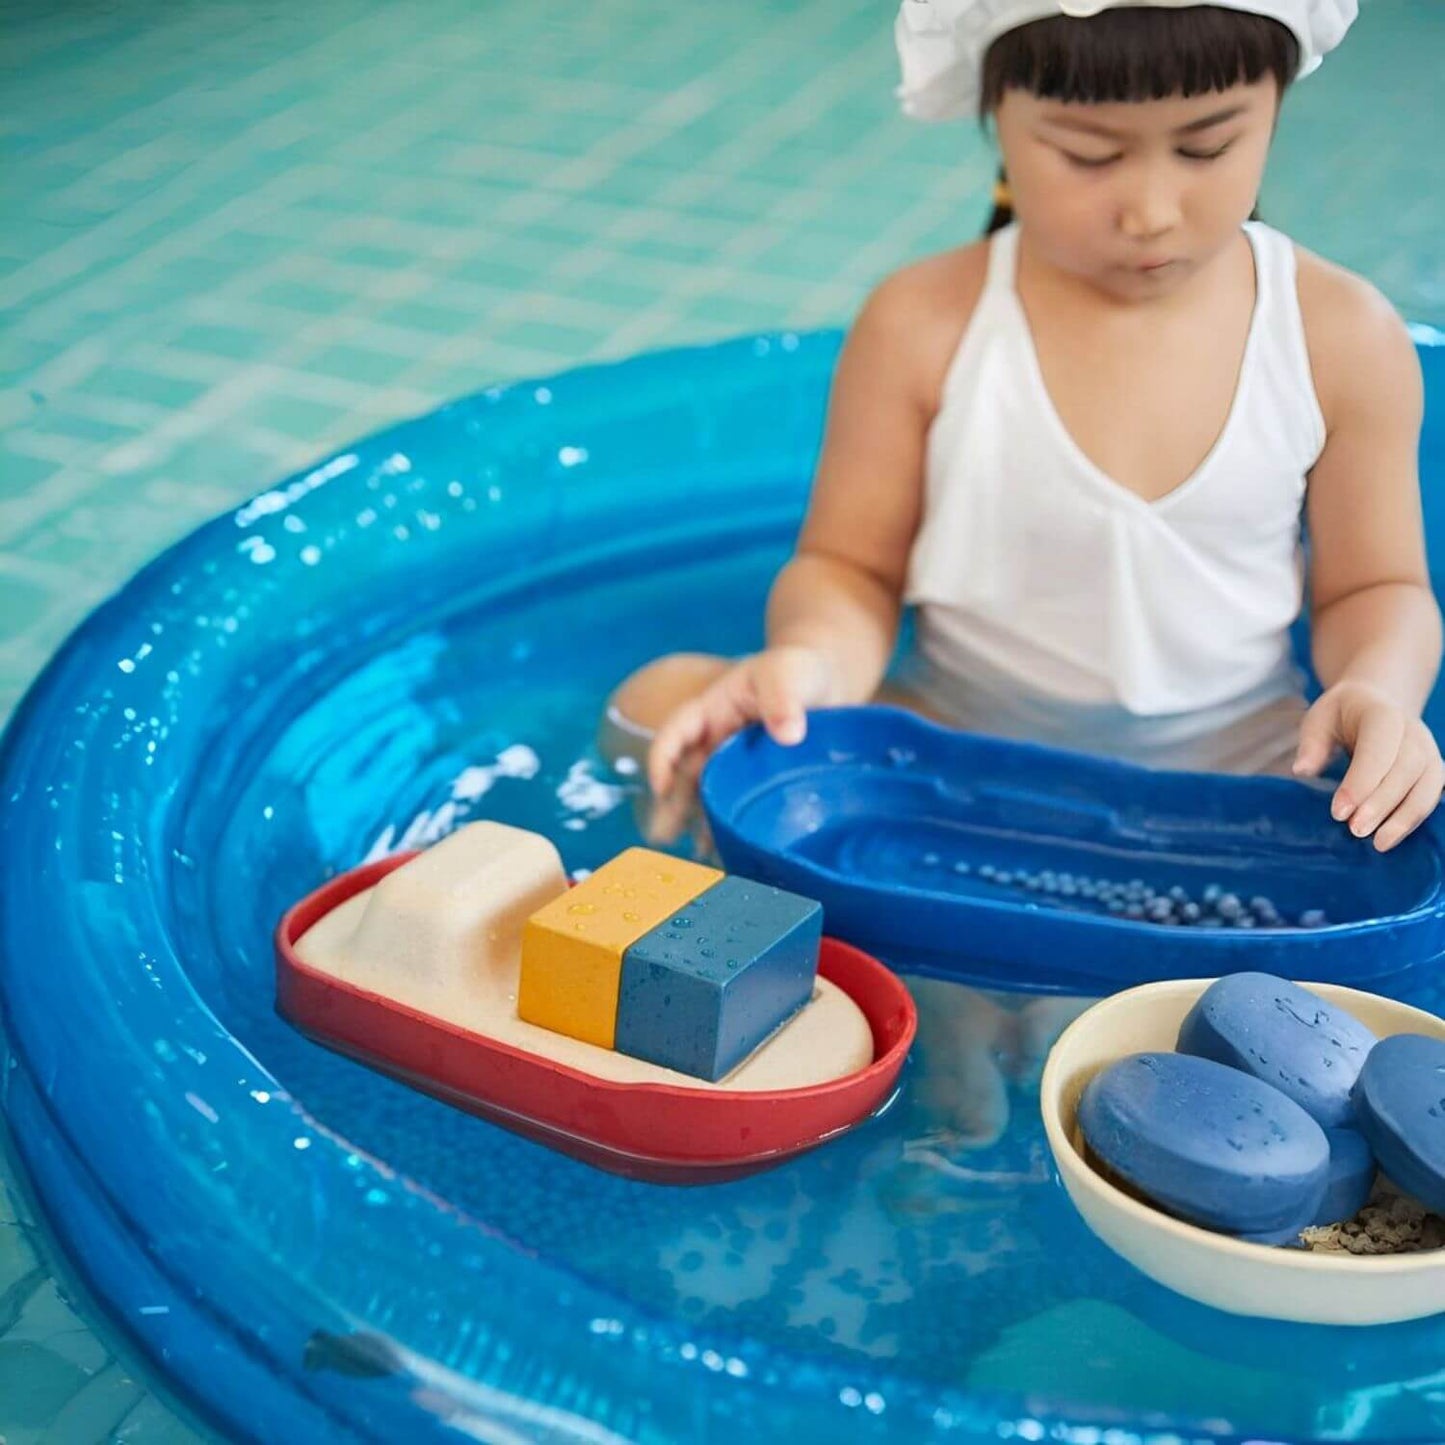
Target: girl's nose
column 1149, row 209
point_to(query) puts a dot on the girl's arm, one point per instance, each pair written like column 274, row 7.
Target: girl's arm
column 842, row 593
column 833, row 612
column 1376, row 634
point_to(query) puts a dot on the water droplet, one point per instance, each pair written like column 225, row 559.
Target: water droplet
column 581, row 908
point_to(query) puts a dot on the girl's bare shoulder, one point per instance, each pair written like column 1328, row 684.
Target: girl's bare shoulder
column 915, row 319
column 1360, row 349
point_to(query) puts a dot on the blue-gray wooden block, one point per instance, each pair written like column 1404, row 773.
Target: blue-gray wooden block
column 701, row 991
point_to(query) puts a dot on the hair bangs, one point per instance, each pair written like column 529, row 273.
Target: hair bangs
column 1138, row 52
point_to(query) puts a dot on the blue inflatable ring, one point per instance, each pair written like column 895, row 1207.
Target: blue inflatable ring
column 419, row 630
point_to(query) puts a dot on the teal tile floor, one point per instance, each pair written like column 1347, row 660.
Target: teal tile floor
column 235, row 236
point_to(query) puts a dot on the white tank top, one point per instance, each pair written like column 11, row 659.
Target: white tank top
column 1053, row 603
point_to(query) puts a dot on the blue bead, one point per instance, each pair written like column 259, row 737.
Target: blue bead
column 1228, row 906
column 1190, row 913
column 1313, row 918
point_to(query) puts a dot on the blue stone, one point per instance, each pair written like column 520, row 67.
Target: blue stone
column 1400, row 1103
column 1313, row 918
column 1207, row 1143
column 701, row 1001
column 1284, row 1035
column 1352, row 1176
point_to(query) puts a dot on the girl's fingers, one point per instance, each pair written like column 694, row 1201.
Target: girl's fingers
column 1419, row 803
column 682, row 731
column 1376, row 746
column 1393, row 789
column 673, row 810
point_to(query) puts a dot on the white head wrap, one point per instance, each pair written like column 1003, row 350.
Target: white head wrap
column 941, row 43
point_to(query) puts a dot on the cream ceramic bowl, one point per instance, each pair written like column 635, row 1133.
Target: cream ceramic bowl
column 1245, row 1279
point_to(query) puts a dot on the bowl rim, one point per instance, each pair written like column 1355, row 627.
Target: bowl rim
column 1071, row 1162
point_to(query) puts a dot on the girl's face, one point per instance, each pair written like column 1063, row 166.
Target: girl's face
column 1136, row 197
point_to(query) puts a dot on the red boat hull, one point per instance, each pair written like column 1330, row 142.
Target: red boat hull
column 658, row 1132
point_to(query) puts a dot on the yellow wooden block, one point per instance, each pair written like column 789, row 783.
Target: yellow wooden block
column 572, row 949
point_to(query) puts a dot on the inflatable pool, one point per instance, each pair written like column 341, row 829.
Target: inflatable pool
column 420, row 631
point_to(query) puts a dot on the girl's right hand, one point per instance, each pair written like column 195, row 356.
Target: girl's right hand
column 775, row 687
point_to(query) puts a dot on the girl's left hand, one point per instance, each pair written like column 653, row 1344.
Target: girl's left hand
column 1395, row 775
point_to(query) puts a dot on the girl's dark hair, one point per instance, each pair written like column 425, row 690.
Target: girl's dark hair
column 1141, row 52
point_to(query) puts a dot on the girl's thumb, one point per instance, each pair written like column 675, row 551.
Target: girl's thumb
column 1316, row 740
column 779, row 703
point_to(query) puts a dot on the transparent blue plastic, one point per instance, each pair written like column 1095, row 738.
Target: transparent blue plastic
column 901, row 830
column 420, row 631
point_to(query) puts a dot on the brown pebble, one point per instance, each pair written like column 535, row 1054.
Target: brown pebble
column 1391, row 1223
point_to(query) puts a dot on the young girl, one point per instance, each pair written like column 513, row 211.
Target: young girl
column 1083, row 447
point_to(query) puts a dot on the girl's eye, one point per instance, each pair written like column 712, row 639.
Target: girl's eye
column 1213, row 155
column 1089, row 163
